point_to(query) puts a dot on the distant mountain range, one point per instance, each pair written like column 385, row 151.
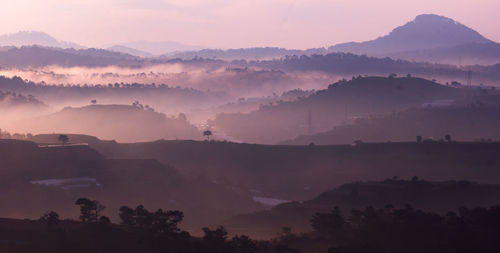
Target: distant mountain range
column 30, row 38
column 428, row 37
column 148, row 48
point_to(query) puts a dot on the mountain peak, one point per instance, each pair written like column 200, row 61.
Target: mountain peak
column 426, row 31
column 433, row 18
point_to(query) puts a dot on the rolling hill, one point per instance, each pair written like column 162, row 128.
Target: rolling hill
column 126, row 123
column 340, row 103
column 35, row 179
column 440, row 197
column 471, row 122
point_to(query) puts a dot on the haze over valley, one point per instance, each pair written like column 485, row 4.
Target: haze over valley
column 143, row 140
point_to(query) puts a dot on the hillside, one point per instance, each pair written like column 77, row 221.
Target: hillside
column 37, row 56
column 440, row 197
column 302, row 172
column 469, row 122
column 36, row 179
column 340, row 103
column 463, row 54
column 125, row 123
column 15, row 106
column 12, row 99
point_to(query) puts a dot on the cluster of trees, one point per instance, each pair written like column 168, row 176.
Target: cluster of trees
column 387, row 229
column 15, row 99
column 409, row 230
column 157, row 223
column 159, row 230
column 7, row 135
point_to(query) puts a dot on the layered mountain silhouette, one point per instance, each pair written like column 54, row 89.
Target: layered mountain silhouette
column 432, row 38
column 340, row 103
column 428, row 37
column 154, row 48
column 129, row 50
column 425, row 32
column 128, row 123
column 30, row 38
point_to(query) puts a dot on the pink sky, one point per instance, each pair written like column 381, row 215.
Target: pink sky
column 236, row 23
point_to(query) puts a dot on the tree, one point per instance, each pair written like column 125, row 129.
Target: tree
column 89, row 209
column 63, row 138
column 207, row 133
column 328, row 223
column 93, row 101
column 243, row 244
column 215, row 240
column 447, row 138
column 419, row 139
column 51, row 218
column 103, row 220
column 159, row 222
column 127, row 215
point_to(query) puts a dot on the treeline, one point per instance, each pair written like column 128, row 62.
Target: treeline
column 405, row 230
column 387, row 229
column 17, row 83
column 140, row 230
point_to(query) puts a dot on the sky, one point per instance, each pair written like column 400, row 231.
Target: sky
column 235, row 23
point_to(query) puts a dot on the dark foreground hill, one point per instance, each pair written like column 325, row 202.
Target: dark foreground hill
column 367, row 229
column 439, row 197
column 126, row 123
column 341, row 102
column 35, row 179
column 303, row 172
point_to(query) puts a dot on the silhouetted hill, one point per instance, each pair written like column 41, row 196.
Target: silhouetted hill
column 118, row 122
column 440, row 197
column 129, row 50
column 12, row 99
column 464, row 123
column 30, row 38
column 168, row 99
column 463, row 54
column 36, row 56
column 15, row 106
column 340, row 103
column 257, row 53
column 160, row 47
column 346, row 64
column 302, row 172
column 34, row 179
column 425, row 32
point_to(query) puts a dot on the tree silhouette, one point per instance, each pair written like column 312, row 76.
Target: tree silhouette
column 159, row 222
column 447, row 138
column 89, row 209
column 207, row 133
column 328, row 223
column 63, row 138
column 51, row 218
